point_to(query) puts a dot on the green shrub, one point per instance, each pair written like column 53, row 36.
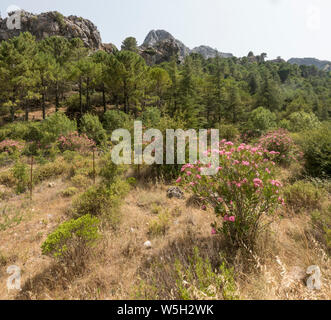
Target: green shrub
column 242, row 191
column 81, row 165
column 109, row 171
column 73, row 105
column 102, row 201
column 20, row 173
column 261, row 120
column 50, row 170
column 69, row 192
column 303, row 195
column 72, row 239
column 316, row 145
column 69, row 155
column 285, row 124
column 81, row 181
column 115, row 119
column 7, row 178
column 56, row 125
column 151, row 117
column 95, row 201
column 15, row 131
column 301, row 121
column 159, row 225
column 229, row 132
column 34, row 132
column 92, row 127
column 132, row 181
column 199, row 281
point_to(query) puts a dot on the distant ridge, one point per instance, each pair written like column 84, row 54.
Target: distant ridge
column 155, row 38
column 323, row 65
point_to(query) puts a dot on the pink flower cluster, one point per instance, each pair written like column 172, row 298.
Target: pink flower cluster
column 75, row 142
column 280, row 145
column 231, row 219
column 243, row 189
column 10, row 146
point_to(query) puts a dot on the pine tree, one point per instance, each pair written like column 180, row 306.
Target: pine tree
column 131, row 79
column 159, row 84
column 130, row 44
column 17, row 76
column 189, row 106
column 59, row 48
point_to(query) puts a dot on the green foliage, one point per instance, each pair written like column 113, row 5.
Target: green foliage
column 54, row 126
column 303, row 195
column 7, row 178
column 60, row 19
column 229, row 132
column 261, row 120
column 241, row 192
column 115, row 119
column 102, row 201
column 316, row 145
column 200, row 91
column 132, row 181
column 92, row 127
column 50, row 170
column 199, row 280
column 21, row 175
column 159, row 226
column 130, row 44
column 151, row 117
column 130, row 81
column 301, row 121
column 69, row 192
column 73, row 104
column 80, row 181
column 109, row 171
column 72, row 239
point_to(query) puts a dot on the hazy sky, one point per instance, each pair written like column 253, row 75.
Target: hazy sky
column 287, row 28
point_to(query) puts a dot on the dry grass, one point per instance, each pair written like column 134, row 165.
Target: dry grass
column 120, row 263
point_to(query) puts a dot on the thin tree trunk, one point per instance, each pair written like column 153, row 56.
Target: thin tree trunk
column 26, row 107
column 104, row 99
column 80, row 97
column 12, row 114
column 87, row 94
column 43, row 104
column 57, row 101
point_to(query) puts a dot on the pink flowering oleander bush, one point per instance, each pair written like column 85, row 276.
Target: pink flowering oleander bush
column 281, row 145
column 75, row 142
column 11, row 146
column 242, row 191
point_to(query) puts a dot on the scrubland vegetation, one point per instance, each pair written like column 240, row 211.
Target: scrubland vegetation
column 249, row 232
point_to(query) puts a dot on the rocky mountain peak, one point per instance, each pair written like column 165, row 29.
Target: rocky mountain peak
column 208, row 52
column 155, row 36
column 157, row 39
column 54, row 24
